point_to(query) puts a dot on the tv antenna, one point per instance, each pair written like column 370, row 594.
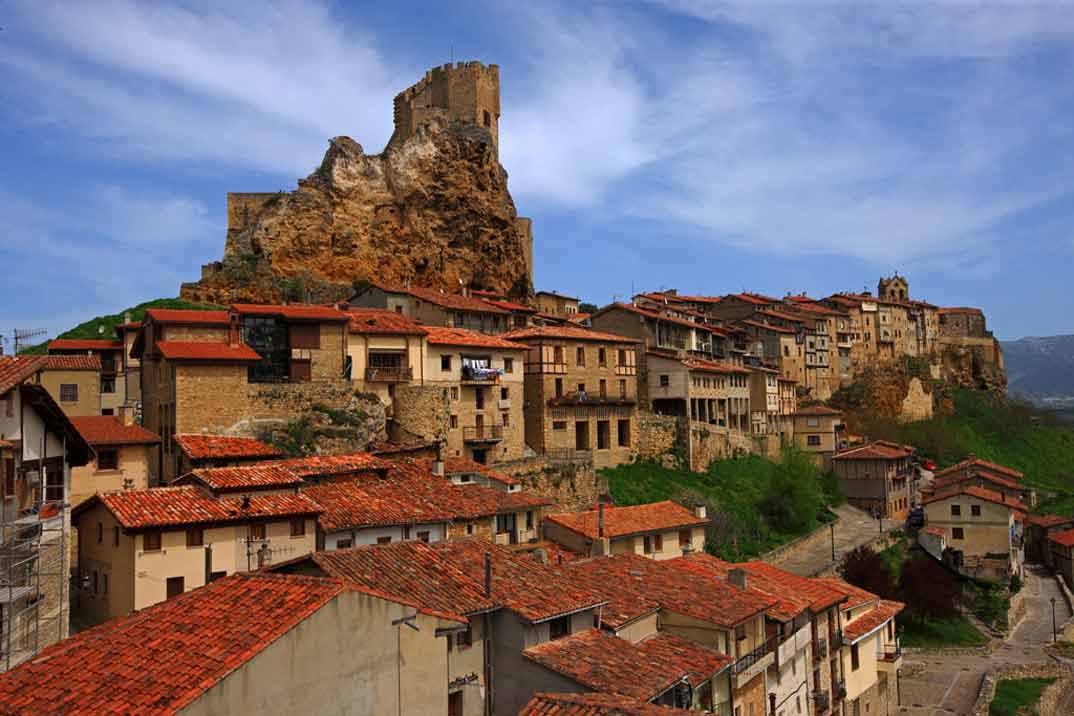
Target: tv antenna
column 19, row 336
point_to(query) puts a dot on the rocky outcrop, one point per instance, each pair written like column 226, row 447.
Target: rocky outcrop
column 432, row 210
column 974, row 363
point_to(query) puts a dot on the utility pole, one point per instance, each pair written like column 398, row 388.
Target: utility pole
column 831, row 527
column 1055, row 634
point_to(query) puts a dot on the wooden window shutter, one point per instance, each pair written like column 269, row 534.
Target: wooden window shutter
column 305, row 335
column 300, row 371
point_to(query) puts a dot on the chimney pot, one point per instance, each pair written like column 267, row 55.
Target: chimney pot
column 701, row 512
column 737, row 577
column 488, row 574
column 600, row 520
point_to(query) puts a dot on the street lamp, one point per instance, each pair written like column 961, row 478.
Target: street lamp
column 831, row 526
column 1054, row 634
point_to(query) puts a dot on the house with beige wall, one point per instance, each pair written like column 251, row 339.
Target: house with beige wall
column 659, row 530
column 581, row 393
column 74, row 382
column 140, row 547
column 982, row 529
column 433, row 307
column 124, row 456
column 384, row 349
column 556, row 304
column 819, row 432
column 482, row 379
column 878, row 477
column 111, row 372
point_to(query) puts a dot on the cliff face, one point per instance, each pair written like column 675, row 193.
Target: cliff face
column 432, row 210
column 974, row 363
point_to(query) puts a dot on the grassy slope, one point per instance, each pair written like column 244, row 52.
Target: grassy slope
column 103, row 327
column 938, row 633
column 1013, row 694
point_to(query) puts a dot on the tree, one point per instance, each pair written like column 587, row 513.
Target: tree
column 929, row 590
column 584, row 307
column 864, row 568
column 793, row 497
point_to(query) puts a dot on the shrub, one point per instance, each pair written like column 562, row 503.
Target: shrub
column 864, row 568
column 929, row 590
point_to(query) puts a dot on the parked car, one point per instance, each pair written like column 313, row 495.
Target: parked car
column 928, row 465
column 916, row 519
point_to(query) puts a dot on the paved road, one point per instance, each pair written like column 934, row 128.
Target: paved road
column 855, row 528
column 949, row 684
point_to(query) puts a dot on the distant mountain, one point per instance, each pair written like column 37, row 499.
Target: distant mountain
column 1041, row 369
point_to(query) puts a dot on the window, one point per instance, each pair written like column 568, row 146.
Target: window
column 579, row 358
column 813, row 422
column 559, row 628
column 529, row 519
column 257, row 531
column 508, row 365
column 506, row 419
column 957, row 533
column 855, row 660
column 108, row 384
column 454, row 392
column 559, row 424
column 956, row 510
column 624, row 433
column 100, row 533
column 195, row 537
column 108, row 411
column 685, row 538
column 479, row 398
column 107, row 459
column 602, row 387
column 384, row 540
column 469, row 529
column 96, row 577
column 604, row 437
column 268, row 337
column 464, row 639
column 602, row 357
column 298, row 527
column 487, row 119
column 68, row 392
column 175, row 586
column 151, row 541
column 665, row 381
column 559, row 387
column 622, row 390
column 115, row 536
column 813, row 440
column 423, row 536
column 975, row 510
column 346, row 543
column 557, row 354
column 505, row 394
column 445, row 363
column 653, row 543
column 453, row 421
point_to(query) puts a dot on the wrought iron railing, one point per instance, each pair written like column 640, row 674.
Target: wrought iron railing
column 483, row 433
column 389, row 374
column 744, row 662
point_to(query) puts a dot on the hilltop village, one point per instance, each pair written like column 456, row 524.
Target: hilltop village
column 367, row 478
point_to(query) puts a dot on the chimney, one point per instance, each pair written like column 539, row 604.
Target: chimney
column 600, row 520
column 737, row 577
column 233, row 329
column 488, row 574
column 438, row 461
column 701, row 512
column 245, row 502
column 126, row 316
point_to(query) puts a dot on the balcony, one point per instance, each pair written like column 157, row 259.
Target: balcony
column 821, row 702
column 574, row 398
column 552, row 368
column 483, row 434
column 889, row 657
column 476, row 375
column 750, row 665
column 836, row 639
column 626, row 370
column 389, row 374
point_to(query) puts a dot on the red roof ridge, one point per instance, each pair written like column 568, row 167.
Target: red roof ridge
column 110, row 430
column 629, row 520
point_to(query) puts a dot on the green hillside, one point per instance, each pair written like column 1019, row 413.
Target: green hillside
column 103, row 327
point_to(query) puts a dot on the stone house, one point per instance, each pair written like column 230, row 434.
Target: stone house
column 230, row 372
column 74, row 382
column 962, row 322
column 432, row 307
column 481, row 377
column 878, row 477
column 140, row 547
column 556, row 304
column 1061, row 554
column 279, row 643
column 660, row 530
column 39, row 448
column 739, row 306
column 199, row 450
column 776, row 345
column 788, row 406
column 819, row 432
column 384, row 349
column 124, row 456
column 659, row 331
column 764, row 403
column 581, row 393
column 1001, row 482
column 1038, row 531
column 983, row 531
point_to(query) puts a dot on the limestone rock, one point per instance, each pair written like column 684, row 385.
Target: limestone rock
column 432, row 210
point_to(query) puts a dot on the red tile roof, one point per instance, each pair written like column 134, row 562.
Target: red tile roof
column 979, row 464
column 709, row 366
column 465, row 466
column 334, row 465
column 633, row 520
column 876, row 450
column 701, row 299
column 1048, row 520
column 594, row 704
column 534, row 591
column 379, row 321
column 937, row 531
column 980, row 493
column 804, row 303
column 161, row 659
column 1065, row 538
column 16, row 369
column 818, row 410
column 983, row 475
column 79, row 344
column 110, row 430
column 606, row 663
column 463, row 502
column 638, row 310
column 779, row 315
column 161, row 507
column 565, row 332
column 186, row 316
column 461, row 337
column 198, row 351
column 675, row 589
column 263, row 476
column 509, row 305
column 72, row 362
column 454, row 301
column 768, row 327
column 958, row 309
column 220, row 447
column 871, row 620
column 293, row 312
column 856, row 596
column 755, row 298
column 410, row 572
column 627, row 595
column 349, row 505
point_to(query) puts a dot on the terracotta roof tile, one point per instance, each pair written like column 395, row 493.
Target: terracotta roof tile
column 186, row 316
column 350, row 505
column 567, row 333
column 768, row 327
column 292, row 311
column 459, row 465
column 818, row 410
column 196, row 351
column 779, row 315
column 975, row 463
column 872, row 619
column 220, row 447
column 378, row 321
column 937, row 531
column 606, row 663
column 446, row 300
column 594, row 704
column 466, row 501
column 509, row 305
column 534, row 591
column 72, row 362
column 877, row 450
column 1048, row 520
column 412, row 572
column 980, row 493
column 949, row 479
column 556, row 295
column 189, row 505
column 15, row 369
column 79, row 344
column 709, row 366
column 702, row 299
column 856, row 596
column 638, row 310
column 461, row 337
column 755, row 298
column 263, row 476
column 628, row 596
column 1065, row 538
column 313, row 466
column 161, row 659
column 110, row 430
column 632, row 520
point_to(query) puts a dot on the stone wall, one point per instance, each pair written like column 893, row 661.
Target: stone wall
column 658, row 435
column 421, row 411
column 1049, row 699
column 574, row 485
column 709, row 444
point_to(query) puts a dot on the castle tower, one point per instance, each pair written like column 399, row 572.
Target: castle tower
column 896, row 288
column 467, row 92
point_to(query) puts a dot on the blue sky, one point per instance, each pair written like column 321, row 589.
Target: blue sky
column 710, row 146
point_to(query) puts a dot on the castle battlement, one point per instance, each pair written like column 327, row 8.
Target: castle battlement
column 466, row 91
